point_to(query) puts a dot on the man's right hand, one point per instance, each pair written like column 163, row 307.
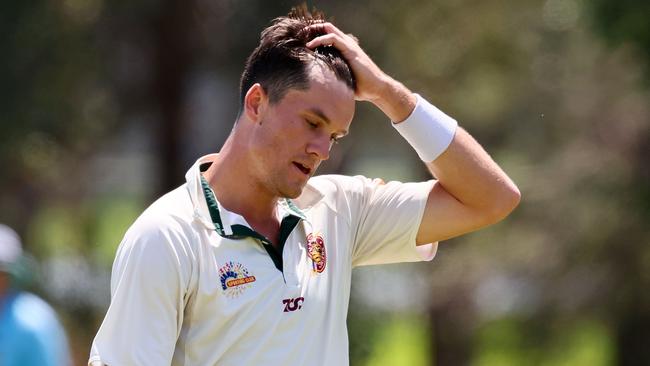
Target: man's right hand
column 373, row 85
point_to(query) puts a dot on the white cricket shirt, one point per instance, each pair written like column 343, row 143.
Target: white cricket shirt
column 193, row 285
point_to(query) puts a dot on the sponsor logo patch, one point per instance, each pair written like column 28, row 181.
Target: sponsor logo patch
column 316, row 252
column 293, row 304
column 235, row 278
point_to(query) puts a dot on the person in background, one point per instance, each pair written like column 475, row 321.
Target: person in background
column 30, row 333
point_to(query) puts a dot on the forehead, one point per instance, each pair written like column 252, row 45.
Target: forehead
column 326, row 93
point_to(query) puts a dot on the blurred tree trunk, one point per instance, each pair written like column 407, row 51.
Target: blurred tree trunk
column 629, row 304
column 633, row 335
column 451, row 325
column 173, row 59
column 631, row 311
column 632, row 302
column 618, row 22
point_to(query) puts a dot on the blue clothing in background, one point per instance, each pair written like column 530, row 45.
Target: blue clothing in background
column 30, row 333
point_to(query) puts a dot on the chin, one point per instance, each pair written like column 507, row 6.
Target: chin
column 293, row 192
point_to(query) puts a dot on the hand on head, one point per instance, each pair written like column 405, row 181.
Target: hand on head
column 370, row 79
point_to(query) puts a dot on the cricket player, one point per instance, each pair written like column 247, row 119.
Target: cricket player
column 249, row 262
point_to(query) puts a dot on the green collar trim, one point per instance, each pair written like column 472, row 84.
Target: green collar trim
column 294, row 209
column 241, row 231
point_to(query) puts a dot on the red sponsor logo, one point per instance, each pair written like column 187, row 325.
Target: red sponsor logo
column 293, row 304
column 240, row 281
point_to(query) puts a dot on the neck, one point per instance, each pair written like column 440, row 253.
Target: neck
column 235, row 189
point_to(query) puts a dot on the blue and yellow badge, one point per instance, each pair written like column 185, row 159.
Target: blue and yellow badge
column 235, row 278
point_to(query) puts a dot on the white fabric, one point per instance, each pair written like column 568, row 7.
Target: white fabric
column 428, row 129
column 169, row 305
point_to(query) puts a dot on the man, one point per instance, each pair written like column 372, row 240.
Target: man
column 249, row 262
column 30, row 334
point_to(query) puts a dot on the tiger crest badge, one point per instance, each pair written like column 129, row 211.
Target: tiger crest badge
column 316, row 252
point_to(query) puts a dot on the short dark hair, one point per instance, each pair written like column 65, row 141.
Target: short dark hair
column 280, row 61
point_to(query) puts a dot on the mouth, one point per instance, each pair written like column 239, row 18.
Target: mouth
column 304, row 169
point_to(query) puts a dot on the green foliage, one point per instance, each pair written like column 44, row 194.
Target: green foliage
column 91, row 229
column 401, row 341
column 581, row 343
column 502, row 343
column 113, row 217
column 57, row 230
column 574, row 343
column 624, row 21
column 49, row 65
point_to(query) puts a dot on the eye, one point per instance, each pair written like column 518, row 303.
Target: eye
column 311, row 124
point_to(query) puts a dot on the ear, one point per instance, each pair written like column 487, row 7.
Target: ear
column 255, row 103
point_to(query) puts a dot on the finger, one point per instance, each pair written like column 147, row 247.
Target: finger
column 331, row 28
column 325, row 40
column 353, row 37
column 328, row 28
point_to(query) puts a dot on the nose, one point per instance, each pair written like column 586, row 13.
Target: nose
column 320, row 147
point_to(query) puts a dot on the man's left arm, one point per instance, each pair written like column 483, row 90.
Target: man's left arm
column 471, row 191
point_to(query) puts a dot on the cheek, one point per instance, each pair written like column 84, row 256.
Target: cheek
column 267, row 136
column 272, row 149
column 280, row 138
column 291, row 136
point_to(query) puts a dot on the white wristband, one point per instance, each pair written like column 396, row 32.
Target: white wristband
column 427, row 129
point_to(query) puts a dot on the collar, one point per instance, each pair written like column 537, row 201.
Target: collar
column 208, row 210
column 313, row 195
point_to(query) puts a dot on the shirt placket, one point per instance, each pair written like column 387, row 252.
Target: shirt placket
column 284, row 260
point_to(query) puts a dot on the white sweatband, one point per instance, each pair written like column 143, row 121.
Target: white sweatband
column 427, row 129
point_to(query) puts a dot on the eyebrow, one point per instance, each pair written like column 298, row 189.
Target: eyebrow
column 320, row 114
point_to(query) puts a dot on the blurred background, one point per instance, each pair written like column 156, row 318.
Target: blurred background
column 105, row 104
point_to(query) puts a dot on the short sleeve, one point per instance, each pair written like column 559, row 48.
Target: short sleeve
column 387, row 222
column 148, row 286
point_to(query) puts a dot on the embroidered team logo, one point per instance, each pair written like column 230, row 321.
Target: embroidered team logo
column 235, row 278
column 316, row 252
